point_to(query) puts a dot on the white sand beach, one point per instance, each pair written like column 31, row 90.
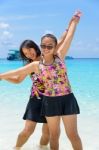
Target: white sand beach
column 88, row 129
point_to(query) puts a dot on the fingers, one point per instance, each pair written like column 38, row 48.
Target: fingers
column 78, row 13
column 75, row 17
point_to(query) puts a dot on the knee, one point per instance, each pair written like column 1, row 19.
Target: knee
column 26, row 132
column 54, row 136
column 45, row 136
column 45, row 131
column 73, row 136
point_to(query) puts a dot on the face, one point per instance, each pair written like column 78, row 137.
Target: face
column 29, row 53
column 48, row 46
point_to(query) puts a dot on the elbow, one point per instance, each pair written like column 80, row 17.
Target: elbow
column 17, row 80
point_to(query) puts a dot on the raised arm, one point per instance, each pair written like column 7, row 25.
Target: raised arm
column 63, row 36
column 63, row 49
column 23, row 71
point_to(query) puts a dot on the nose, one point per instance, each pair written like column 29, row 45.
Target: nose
column 46, row 48
column 28, row 55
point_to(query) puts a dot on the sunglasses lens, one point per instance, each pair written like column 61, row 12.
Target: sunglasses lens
column 49, row 47
column 43, row 46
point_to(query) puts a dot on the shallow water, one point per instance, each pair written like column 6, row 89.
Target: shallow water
column 84, row 78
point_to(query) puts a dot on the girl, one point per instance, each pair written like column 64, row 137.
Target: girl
column 58, row 100
column 30, row 52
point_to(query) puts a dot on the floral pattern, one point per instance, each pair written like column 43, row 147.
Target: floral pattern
column 37, row 87
column 54, row 78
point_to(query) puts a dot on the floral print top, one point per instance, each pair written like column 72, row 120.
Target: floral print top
column 37, row 87
column 54, row 78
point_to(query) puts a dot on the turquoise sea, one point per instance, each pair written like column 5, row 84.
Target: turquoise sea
column 84, row 78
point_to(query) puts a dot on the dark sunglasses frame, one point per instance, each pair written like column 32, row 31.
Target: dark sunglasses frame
column 49, row 47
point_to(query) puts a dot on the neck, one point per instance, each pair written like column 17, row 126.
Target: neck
column 38, row 58
column 48, row 60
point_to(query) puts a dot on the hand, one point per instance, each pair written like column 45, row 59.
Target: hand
column 76, row 17
column 78, row 13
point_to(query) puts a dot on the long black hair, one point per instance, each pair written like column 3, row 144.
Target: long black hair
column 29, row 44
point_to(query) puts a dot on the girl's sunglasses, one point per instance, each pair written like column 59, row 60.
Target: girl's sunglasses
column 49, row 47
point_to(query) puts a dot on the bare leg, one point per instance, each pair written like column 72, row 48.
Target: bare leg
column 70, row 124
column 54, row 130
column 25, row 134
column 45, row 135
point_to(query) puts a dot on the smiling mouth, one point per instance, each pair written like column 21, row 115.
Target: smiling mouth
column 32, row 57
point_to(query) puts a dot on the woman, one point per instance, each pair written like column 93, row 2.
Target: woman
column 57, row 95
column 30, row 52
column 58, row 98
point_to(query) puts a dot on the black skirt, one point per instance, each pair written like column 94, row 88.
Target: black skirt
column 33, row 110
column 60, row 105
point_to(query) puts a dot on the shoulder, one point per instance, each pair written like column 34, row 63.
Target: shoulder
column 34, row 64
column 31, row 67
column 58, row 57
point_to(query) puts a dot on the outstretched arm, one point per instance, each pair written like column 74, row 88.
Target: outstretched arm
column 23, row 71
column 16, row 79
column 62, row 50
